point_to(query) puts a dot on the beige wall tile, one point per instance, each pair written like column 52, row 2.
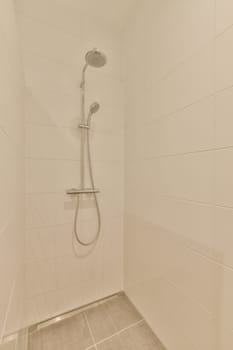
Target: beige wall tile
column 178, row 180
column 224, row 107
column 224, row 53
column 224, row 16
column 11, row 187
column 52, row 150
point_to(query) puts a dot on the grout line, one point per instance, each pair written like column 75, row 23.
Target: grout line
column 117, row 333
column 90, row 330
column 73, row 159
column 121, row 331
column 222, row 32
column 170, row 155
column 174, row 113
column 106, row 160
column 181, row 63
column 196, row 202
column 177, row 110
column 188, row 58
column 119, row 216
column 9, row 304
column 221, row 90
column 183, row 199
column 190, row 298
column 13, row 142
column 57, row 126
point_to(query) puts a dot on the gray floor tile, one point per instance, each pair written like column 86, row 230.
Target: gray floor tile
column 139, row 337
column 111, row 344
column 72, row 332
column 101, row 322
column 122, row 312
column 77, row 331
column 75, row 346
column 105, row 319
column 35, row 341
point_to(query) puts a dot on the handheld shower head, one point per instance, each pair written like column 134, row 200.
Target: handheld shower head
column 94, row 107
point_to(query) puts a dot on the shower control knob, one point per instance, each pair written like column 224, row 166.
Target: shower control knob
column 82, row 190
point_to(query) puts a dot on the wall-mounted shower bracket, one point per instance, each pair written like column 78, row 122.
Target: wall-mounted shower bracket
column 73, row 191
column 84, row 126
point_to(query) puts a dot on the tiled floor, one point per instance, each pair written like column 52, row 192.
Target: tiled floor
column 113, row 324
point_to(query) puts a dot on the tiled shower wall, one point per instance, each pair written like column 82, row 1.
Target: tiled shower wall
column 179, row 170
column 55, row 39
column 11, row 170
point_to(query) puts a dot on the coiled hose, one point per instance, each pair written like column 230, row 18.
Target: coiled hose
column 89, row 160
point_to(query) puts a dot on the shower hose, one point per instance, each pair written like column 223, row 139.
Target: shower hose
column 89, row 161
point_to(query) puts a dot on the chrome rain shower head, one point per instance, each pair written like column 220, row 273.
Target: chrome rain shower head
column 96, row 58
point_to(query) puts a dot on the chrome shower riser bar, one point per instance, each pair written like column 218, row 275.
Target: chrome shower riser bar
column 97, row 59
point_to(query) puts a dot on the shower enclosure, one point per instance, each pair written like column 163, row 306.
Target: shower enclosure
column 116, row 230
column 74, row 160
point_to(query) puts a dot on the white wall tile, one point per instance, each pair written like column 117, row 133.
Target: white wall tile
column 196, row 276
column 224, row 54
column 47, row 41
column 224, row 169
column 68, row 272
column 191, row 223
column 112, row 252
column 52, row 106
column 59, row 176
column 224, row 120
column 39, row 244
column 11, row 186
column 224, row 15
column 59, row 16
column 175, row 91
column 177, row 133
column 222, row 238
column 40, row 277
column 8, row 345
column 47, row 75
column 189, row 130
column 178, row 171
column 189, row 177
column 107, row 146
column 48, row 142
column 48, row 209
column 172, row 35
